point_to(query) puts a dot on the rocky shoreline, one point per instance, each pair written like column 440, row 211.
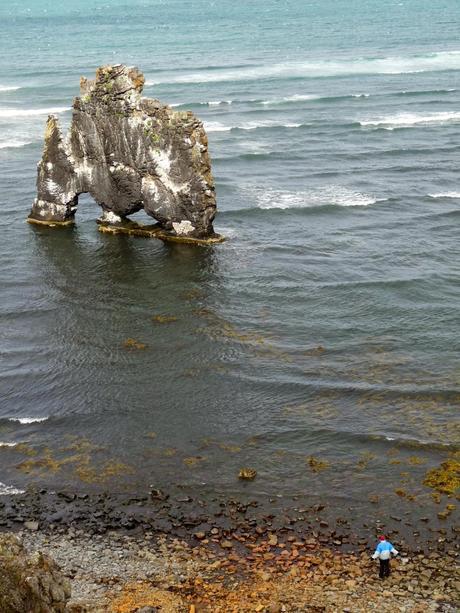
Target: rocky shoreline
column 181, row 511
column 273, row 573
column 177, row 549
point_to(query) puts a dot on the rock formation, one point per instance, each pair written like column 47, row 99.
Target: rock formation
column 129, row 153
column 29, row 583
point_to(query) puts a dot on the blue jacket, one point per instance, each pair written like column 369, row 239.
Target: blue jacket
column 384, row 550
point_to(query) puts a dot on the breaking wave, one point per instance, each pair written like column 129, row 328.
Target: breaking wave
column 332, row 195
column 9, row 489
column 219, row 102
column 215, row 126
column 28, row 420
column 8, row 88
column 209, row 103
column 406, row 120
column 13, row 144
column 444, row 60
column 445, row 195
column 7, row 113
column 424, row 92
column 296, row 98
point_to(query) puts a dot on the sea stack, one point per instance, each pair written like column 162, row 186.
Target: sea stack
column 129, row 153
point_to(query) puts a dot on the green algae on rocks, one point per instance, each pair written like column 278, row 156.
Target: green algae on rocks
column 446, row 478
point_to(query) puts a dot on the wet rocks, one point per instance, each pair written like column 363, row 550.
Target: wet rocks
column 129, row 153
column 29, row 582
column 247, row 474
column 172, row 511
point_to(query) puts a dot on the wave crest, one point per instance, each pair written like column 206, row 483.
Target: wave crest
column 215, row 126
column 293, row 98
column 5, row 490
column 14, row 144
column 433, row 62
column 407, row 120
column 335, row 195
column 7, row 113
column 28, row 420
column 296, row 98
column 445, row 195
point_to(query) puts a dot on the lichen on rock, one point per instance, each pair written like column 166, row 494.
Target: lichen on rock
column 129, row 153
column 29, row 583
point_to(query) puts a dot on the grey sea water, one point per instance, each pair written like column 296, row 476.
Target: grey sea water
column 319, row 344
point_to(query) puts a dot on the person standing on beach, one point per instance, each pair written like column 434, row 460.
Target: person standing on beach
column 383, row 552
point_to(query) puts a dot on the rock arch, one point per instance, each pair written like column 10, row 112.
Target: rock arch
column 129, row 153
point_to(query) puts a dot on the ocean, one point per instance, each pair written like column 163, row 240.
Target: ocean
column 319, row 343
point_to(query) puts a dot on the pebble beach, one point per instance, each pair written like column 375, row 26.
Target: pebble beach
column 123, row 574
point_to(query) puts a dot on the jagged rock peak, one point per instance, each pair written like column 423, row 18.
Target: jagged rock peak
column 129, row 153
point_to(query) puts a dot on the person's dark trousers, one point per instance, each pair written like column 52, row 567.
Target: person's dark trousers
column 384, row 568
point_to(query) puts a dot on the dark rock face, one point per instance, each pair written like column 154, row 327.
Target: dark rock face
column 129, row 153
column 31, row 583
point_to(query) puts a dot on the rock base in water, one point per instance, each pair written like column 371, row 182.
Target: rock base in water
column 51, row 224
column 156, row 231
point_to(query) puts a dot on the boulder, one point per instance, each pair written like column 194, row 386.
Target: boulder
column 30, row 583
column 31, row 525
column 129, row 153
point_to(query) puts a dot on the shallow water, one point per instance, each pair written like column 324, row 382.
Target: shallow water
column 325, row 326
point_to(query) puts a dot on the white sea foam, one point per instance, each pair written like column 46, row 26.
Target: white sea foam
column 207, row 103
column 28, row 420
column 443, row 60
column 254, row 147
column 270, row 101
column 13, row 144
column 332, row 195
column 9, row 489
column 7, row 113
column 445, row 195
column 215, row 126
column 305, row 98
column 8, row 444
column 294, row 98
column 227, row 232
column 219, row 102
column 407, row 120
column 309, row 97
column 8, row 88
column 255, row 125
